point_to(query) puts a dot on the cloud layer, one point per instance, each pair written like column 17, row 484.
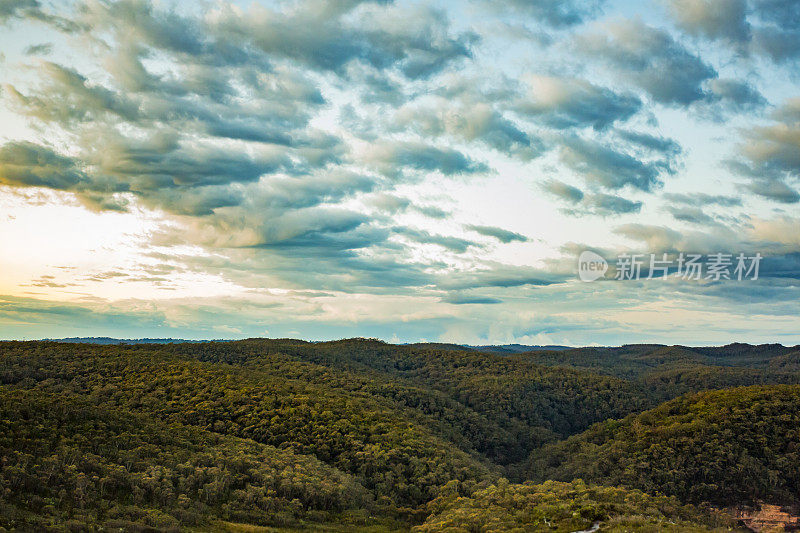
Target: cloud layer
column 338, row 160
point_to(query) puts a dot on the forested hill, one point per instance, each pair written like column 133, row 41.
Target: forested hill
column 668, row 371
column 725, row 447
column 355, row 433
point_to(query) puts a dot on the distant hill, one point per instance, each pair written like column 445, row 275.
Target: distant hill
column 111, row 340
column 669, row 371
column 490, row 348
column 518, row 348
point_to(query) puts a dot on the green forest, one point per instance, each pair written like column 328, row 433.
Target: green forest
column 361, row 435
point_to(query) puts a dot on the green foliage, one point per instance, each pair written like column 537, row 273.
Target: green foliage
column 274, row 401
column 564, row 507
column 66, row 460
column 363, row 435
column 727, row 447
column 666, row 372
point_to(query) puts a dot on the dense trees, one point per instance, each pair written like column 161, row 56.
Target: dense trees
column 274, row 401
column 726, row 447
column 665, row 372
column 65, row 460
column 565, row 507
column 359, row 433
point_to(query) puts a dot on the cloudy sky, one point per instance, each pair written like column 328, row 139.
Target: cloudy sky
column 409, row 170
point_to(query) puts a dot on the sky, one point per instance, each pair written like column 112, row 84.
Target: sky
column 408, row 170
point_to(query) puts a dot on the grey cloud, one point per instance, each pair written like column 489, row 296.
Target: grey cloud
column 557, row 14
column 163, row 161
column 690, row 214
column 715, row 19
column 15, row 310
column 564, row 191
column 70, row 97
column 39, row 49
column 414, row 40
column 323, row 187
column 199, row 201
column 220, row 136
column 767, row 27
column 161, row 172
column 608, row 204
column 604, row 166
column 454, row 244
column 500, row 234
column 470, row 121
column 25, row 164
column 168, row 30
column 375, row 85
column 703, row 199
column 650, row 58
column 330, row 229
column 713, row 239
column 789, row 112
column 464, row 299
column 424, row 50
column 389, row 203
column 569, row 102
column 780, row 45
column 279, row 105
column 775, row 190
column 391, row 157
column 738, row 94
column 782, row 266
column 667, row 147
column 770, row 157
column 314, row 232
column 657, row 238
column 431, row 211
column 10, row 9
column 500, row 276
column 728, row 96
column 599, row 204
column 780, row 257
column 775, row 149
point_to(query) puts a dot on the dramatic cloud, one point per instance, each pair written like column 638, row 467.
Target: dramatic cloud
column 715, row 19
column 566, row 13
column 607, row 204
column 563, row 191
column 26, row 164
column 650, row 58
column 581, row 204
column 474, row 121
column 604, row 166
column 770, row 156
column 391, row 157
column 767, row 27
column 413, row 40
column 370, row 167
column 691, row 207
column 734, row 95
column 565, row 102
